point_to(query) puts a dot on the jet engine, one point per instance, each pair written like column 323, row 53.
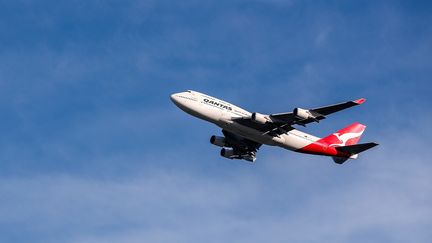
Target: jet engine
column 303, row 114
column 259, row 118
column 227, row 153
column 218, row 141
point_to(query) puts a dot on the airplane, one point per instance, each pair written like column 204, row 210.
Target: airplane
column 244, row 132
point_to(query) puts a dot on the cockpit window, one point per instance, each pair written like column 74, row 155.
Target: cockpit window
column 187, row 96
column 191, row 92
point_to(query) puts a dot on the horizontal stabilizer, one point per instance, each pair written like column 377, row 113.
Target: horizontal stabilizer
column 357, row 148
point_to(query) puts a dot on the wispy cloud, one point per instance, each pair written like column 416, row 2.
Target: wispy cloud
column 377, row 197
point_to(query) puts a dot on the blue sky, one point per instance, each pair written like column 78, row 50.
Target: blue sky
column 92, row 149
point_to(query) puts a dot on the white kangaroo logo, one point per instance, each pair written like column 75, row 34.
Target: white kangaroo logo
column 345, row 137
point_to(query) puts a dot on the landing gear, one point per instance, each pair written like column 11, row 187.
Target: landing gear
column 249, row 156
column 236, row 154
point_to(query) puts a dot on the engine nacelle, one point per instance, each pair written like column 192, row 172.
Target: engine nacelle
column 303, row 114
column 227, row 153
column 260, row 118
column 218, row 141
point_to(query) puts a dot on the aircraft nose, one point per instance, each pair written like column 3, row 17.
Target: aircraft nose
column 174, row 98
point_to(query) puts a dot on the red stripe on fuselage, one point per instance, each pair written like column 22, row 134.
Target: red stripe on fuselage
column 320, row 148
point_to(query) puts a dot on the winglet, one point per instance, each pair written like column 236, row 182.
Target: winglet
column 360, row 101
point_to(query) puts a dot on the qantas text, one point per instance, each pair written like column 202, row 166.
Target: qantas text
column 217, row 104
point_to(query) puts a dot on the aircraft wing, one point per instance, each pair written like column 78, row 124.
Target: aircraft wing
column 239, row 143
column 318, row 113
column 281, row 123
column 267, row 128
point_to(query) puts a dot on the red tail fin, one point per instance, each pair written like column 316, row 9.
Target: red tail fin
column 349, row 135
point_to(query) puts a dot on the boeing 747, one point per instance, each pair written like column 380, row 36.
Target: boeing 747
column 244, row 132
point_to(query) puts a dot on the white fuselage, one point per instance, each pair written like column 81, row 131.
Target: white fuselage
column 223, row 115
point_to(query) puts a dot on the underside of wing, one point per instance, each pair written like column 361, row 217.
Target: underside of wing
column 240, row 143
column 270, row 128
